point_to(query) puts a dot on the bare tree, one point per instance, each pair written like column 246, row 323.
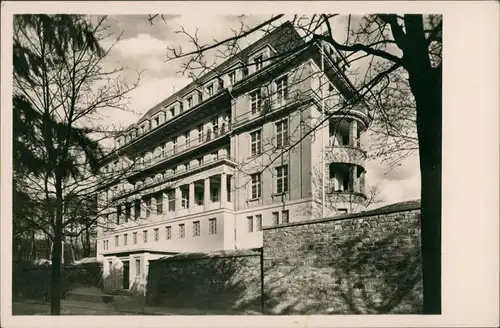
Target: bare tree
column 398, row 47
column 63, row 97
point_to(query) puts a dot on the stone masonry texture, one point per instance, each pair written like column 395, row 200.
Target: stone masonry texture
column 217, row 280
column 356, row 264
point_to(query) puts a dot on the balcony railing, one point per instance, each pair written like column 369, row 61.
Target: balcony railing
column 158, row 179
column 346, row 154
column 211, row 135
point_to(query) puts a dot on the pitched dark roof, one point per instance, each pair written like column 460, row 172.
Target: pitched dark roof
column 282, row 39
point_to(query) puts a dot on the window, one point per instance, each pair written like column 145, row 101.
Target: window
column 276, row 218
column 212, row 226
column 198, row 197
column 116, row 241
column 281, row 90
column 190, row 102
column 137, row 267
column 215, row 125
column 148, row 207
column 125, row 239
column 186, row 138
column 118, row 213
column 184, row 198
column 159, row 203
column 255, row 101
column 157, row 121
column 284, row 216
column 256, row 185
column 258, row 222
column 145, row 236
column 282, row 133
column 134, row 238
column 282, row 179
column 250, row 223
column 137, row 209
column 127, row 212
column 214, row 194
column 258, row 61
column 200, row 132
column 172, row 112
column 174, row 144
column 182, row 230
column 157, row 234
column 168, row 232
column 256, row 143
column 232, row 78
column 196, row 228
column 104, row 246
column 210, row 90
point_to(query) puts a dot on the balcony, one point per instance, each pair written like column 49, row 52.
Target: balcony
column 207, row 138
column 345, row 154
column 159, row 179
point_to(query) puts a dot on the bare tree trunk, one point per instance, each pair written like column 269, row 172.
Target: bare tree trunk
column 428, row 97
column 55, row 295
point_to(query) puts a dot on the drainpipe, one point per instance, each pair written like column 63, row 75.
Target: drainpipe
column 323, row 162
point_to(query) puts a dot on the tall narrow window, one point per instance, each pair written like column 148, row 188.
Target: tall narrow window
column 196, row 228
column 189, row 102
column 284, row 216
column 212, row 226
column 258, row 222
column 127, row 212
column 159, row 203
column 258, row 61
column 281, row 90
column 210, row 90
column 255, row 101
column 282, row 133
column 250, row 223
column 215, row 125
column 184, row 199
column 182, row 230
column 148, row 207
column 276, row 218
column 232, row 78
column 125, row 239
column 157, row 234
column 200, row 132
column 282, row 179
column 256, row 185
column 174, row 144
column 145, row 236
column 186, row 138
column 256, row 142
column 134, row 238
column 172, row 112
column 137, row 267
column 137, row 209
column 116, row 240
column 168, row 232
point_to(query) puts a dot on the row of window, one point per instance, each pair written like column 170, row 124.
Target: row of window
column 258, row 98
column 196, row 225
column 281, row 137
column 281, row 182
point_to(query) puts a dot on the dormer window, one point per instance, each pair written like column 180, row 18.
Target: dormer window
column 232, row 78
column 172, row 112
column 157, row 121
column 210, row 90
column 189, row 102
column 258, row 62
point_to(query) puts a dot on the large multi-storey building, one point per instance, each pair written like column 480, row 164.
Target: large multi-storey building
column 245, row 146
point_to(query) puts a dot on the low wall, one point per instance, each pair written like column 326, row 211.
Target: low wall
column 34, row 282
column 354, row 264
column 217, row 280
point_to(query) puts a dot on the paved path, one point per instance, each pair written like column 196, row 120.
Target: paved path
column 70, row 307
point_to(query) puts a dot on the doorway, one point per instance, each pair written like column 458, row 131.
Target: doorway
column 126, row 274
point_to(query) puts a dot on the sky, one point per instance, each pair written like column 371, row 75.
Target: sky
column 143, row 47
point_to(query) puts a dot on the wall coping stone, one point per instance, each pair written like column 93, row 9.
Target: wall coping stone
column 389, row 209
column 210, row 255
